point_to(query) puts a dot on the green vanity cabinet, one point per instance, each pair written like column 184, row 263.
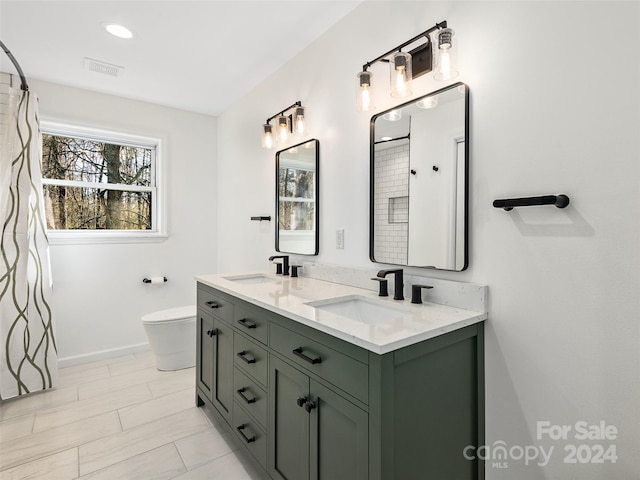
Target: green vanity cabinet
column 223, row 368
column 214, row 352
column 314, row 432
column 289, row 421
column 204, row 354
column 250, row 400
column 426, row 405
column 309, row 406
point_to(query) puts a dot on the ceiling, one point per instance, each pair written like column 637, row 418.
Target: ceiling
column 200, row 55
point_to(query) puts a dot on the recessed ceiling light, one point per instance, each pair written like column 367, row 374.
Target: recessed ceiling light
column 117, row 30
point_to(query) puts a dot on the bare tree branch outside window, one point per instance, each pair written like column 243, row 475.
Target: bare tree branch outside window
column 95, row 185
column 296, row 202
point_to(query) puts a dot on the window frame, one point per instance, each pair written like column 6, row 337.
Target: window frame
column 158, row 233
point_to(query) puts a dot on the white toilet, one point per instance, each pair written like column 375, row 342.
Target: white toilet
column 172, row 337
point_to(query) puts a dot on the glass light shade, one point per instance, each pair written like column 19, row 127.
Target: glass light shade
column 267, row 136
column 299, row 121
column 364, row 95
column 282, row 128
column 428, row 102
column 445, row 67
column 393, row 115
column 400, row 70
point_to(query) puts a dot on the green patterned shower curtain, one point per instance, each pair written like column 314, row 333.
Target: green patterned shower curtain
column 28, row 356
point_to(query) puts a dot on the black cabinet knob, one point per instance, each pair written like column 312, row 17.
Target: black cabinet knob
column 301, row 401
column 309, row 406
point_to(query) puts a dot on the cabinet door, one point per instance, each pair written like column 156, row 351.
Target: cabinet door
column 288, row 422
column 339, row 437
column 205, row 346
column 222, row 394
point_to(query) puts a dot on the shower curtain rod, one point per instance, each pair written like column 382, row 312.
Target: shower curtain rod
column 23, row 80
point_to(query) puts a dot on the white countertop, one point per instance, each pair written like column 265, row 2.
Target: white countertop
column 288, row 297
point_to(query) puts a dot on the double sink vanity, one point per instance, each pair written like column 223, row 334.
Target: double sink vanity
column 322, row 380
column 322, row 376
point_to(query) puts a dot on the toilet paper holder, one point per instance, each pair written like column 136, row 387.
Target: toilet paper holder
column 148, row 280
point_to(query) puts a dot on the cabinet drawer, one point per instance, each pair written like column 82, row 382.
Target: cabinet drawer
column 215, row 304
column 247, row 393
column 252, row 322
column 341, row 370
column 250, row 434
column 250, row 357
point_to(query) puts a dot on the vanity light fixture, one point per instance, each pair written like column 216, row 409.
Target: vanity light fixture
column 364, row 97
column 284, row 125
column 299, row 125
column 445, row 65
column 268, row 136
column 400, row 70
column 405, row 66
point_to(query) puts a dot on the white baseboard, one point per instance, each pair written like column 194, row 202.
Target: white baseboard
column 102, row 355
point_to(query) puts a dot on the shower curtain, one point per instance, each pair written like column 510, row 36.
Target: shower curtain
column 28, row 356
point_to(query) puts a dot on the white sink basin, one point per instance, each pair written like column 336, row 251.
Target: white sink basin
column 362, row 309
column 251, row 279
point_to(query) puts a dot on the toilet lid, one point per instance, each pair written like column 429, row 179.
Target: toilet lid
column 170, row 315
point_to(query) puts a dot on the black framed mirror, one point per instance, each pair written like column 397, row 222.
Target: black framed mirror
column 297, row 187
column 419, row 183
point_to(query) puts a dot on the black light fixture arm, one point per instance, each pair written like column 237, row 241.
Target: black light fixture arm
column 23, row 80
column 426, row 33
column 297, row 104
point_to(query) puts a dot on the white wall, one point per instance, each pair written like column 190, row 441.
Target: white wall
column 432, row 203
column 555, row 108
column 99, row 296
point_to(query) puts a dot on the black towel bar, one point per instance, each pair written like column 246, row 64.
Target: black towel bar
column 559, row 201
column 261, row 218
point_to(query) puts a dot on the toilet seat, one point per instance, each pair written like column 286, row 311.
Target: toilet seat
column 171, row 315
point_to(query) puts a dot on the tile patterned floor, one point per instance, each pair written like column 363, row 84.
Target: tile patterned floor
column 116, row 419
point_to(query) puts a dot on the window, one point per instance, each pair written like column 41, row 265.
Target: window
column 99, row 186
column 296, row 198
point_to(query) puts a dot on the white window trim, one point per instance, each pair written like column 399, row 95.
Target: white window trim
column 84, row 237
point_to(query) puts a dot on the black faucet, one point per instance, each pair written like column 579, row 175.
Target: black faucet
column 416, row 292
column 281, row 269
column 398, row 282
column 383, row 290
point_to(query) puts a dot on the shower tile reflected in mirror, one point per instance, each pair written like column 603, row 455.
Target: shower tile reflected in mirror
column 421, row 155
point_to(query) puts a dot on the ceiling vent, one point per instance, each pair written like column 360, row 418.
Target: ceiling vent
column 101, row 67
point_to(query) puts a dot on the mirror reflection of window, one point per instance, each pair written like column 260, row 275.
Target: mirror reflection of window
column 296, row 210
column 296, row 192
